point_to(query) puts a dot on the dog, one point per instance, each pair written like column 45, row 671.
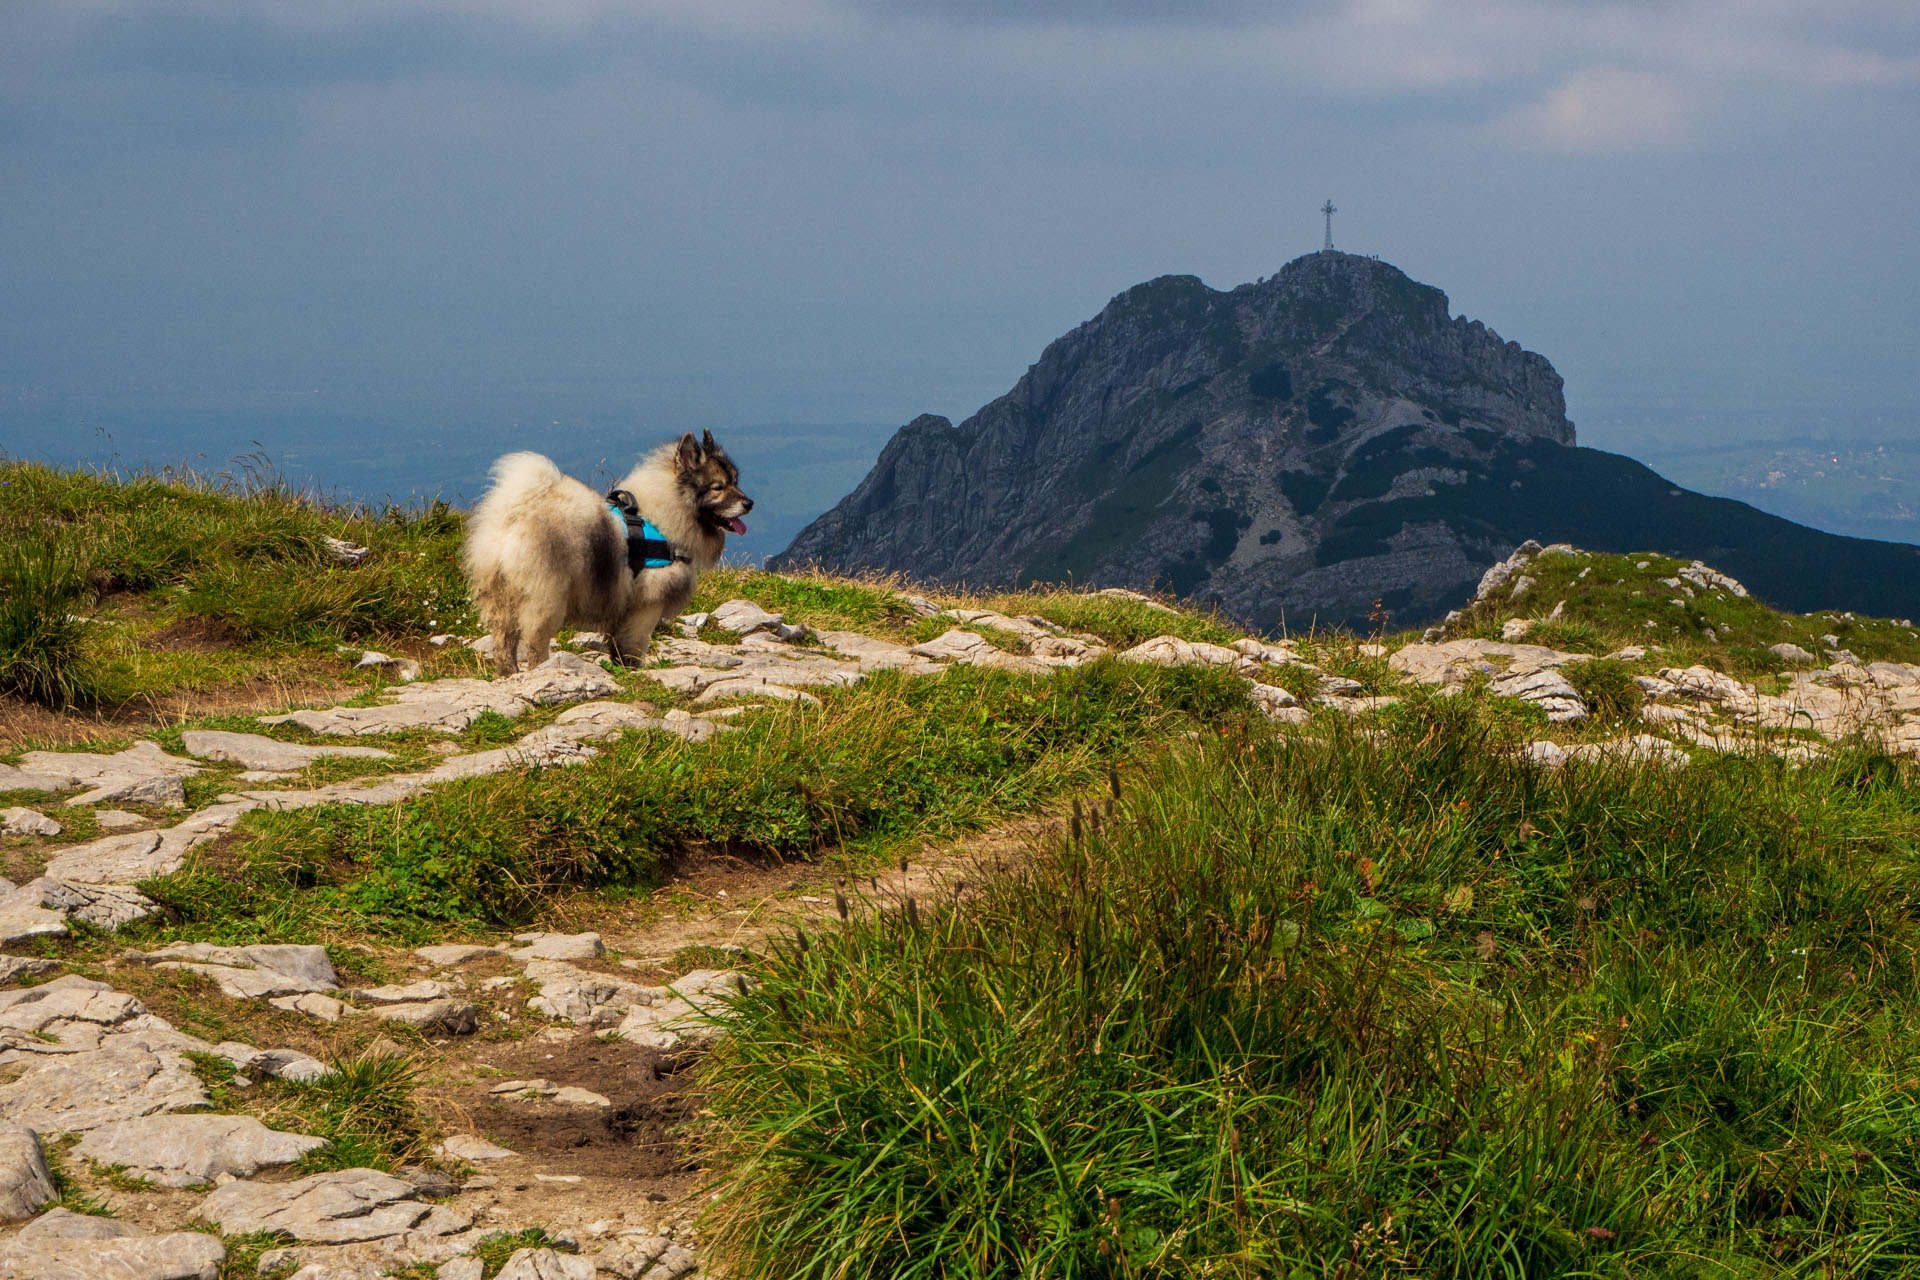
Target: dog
column 544, row 551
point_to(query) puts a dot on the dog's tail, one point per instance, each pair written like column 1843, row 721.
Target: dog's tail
column 523, row 473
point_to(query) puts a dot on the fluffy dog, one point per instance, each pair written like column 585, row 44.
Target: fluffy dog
column 544, row 551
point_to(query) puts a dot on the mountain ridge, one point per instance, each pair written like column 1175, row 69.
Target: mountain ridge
column 1325, row 442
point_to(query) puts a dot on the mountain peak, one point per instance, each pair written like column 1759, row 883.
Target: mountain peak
column 1306, row 445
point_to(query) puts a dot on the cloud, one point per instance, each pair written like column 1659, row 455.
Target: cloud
column 1606, row 111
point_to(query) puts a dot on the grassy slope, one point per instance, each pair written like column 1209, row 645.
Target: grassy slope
column 1322, row 1004
column 1365, row 1007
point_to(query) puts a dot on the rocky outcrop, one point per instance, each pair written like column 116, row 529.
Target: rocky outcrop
column 1325, row 444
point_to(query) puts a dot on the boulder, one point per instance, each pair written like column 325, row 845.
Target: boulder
column 432, row 1017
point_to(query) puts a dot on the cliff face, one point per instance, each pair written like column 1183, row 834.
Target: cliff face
column 1297, row 448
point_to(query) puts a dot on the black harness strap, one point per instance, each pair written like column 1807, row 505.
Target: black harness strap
column 647, row 547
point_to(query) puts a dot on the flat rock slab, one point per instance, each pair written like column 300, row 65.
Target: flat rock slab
column 559, row 946
column 104, row 906
column 156, row 789
column 53, row 1008
column 76, row 1092
column 122, row 859
column 141, row 760
column 546, row 1264
column 432, row 1017
column 20, row 821
column 25, row 1181
column 250, row 973
column 65, row 1224
column 425, row 989
column 12, row 967
column 450, row 706
column 328, row 1208
column 456, row 953
column 1455, row 661
column 256, row 751
column 14, row 778
column 193, row 1150
column 470, row 1146
column 180, row 1255
column 23, row 918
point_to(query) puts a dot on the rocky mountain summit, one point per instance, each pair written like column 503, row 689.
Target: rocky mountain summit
column 1322, row 444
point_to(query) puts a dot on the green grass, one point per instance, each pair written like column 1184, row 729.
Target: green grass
column 1611, row 605
column 1119, row 621
column 1363, row 1005
column 43, row 651
column 893, row 759
column 873, row 606
column 231, row 560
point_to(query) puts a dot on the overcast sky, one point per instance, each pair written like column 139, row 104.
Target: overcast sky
column 703, row 212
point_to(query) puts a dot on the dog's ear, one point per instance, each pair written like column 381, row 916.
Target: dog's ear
column 706, row 439
column 687, row 457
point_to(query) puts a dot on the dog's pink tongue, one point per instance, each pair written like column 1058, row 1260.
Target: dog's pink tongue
column 737, row 525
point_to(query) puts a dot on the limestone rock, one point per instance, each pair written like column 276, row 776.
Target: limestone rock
column 1271, row 698
column 744, row 617
column 1548, row 755
column 432, row 1017
column 425, row 989
column 545, row 1264
column 329, row 1208
column 14, row 778
column 314, row 1005
column 192, row 1150
column 1171, row 651
column 1457, row 661
column 76, row 1092
column 22, row 918
column 275, row 1064
column 104, row 906
column 470, row 1146
column 56, row 1008
column 1545, row 688
column 12, row 967
column 451, row 954
column 156, row 789
column 141, row 760
column 28, row 822
column 179, row 1255
column 1791, row 652
column 685, row 1017
column 252, row 972
column 630, row 1257
column 121, row 859
column 256, row 751
column 450, row 706
column 583, row 998
column 467, row 1268
column 560, row 946
column 25, row 1181
column 65, row 1224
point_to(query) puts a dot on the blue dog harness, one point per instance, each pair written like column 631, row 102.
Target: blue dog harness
column 647, row 547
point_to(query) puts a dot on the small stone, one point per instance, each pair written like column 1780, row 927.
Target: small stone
column 470, row 1146
column 451, row 954
column 566, row 1178
column 541, row 1087
column 28, row 822
column 1791, row 653
column 314, row 1005
column 432, row 1017
column 425, row 989
column 578, row 1097
column 561, row 946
